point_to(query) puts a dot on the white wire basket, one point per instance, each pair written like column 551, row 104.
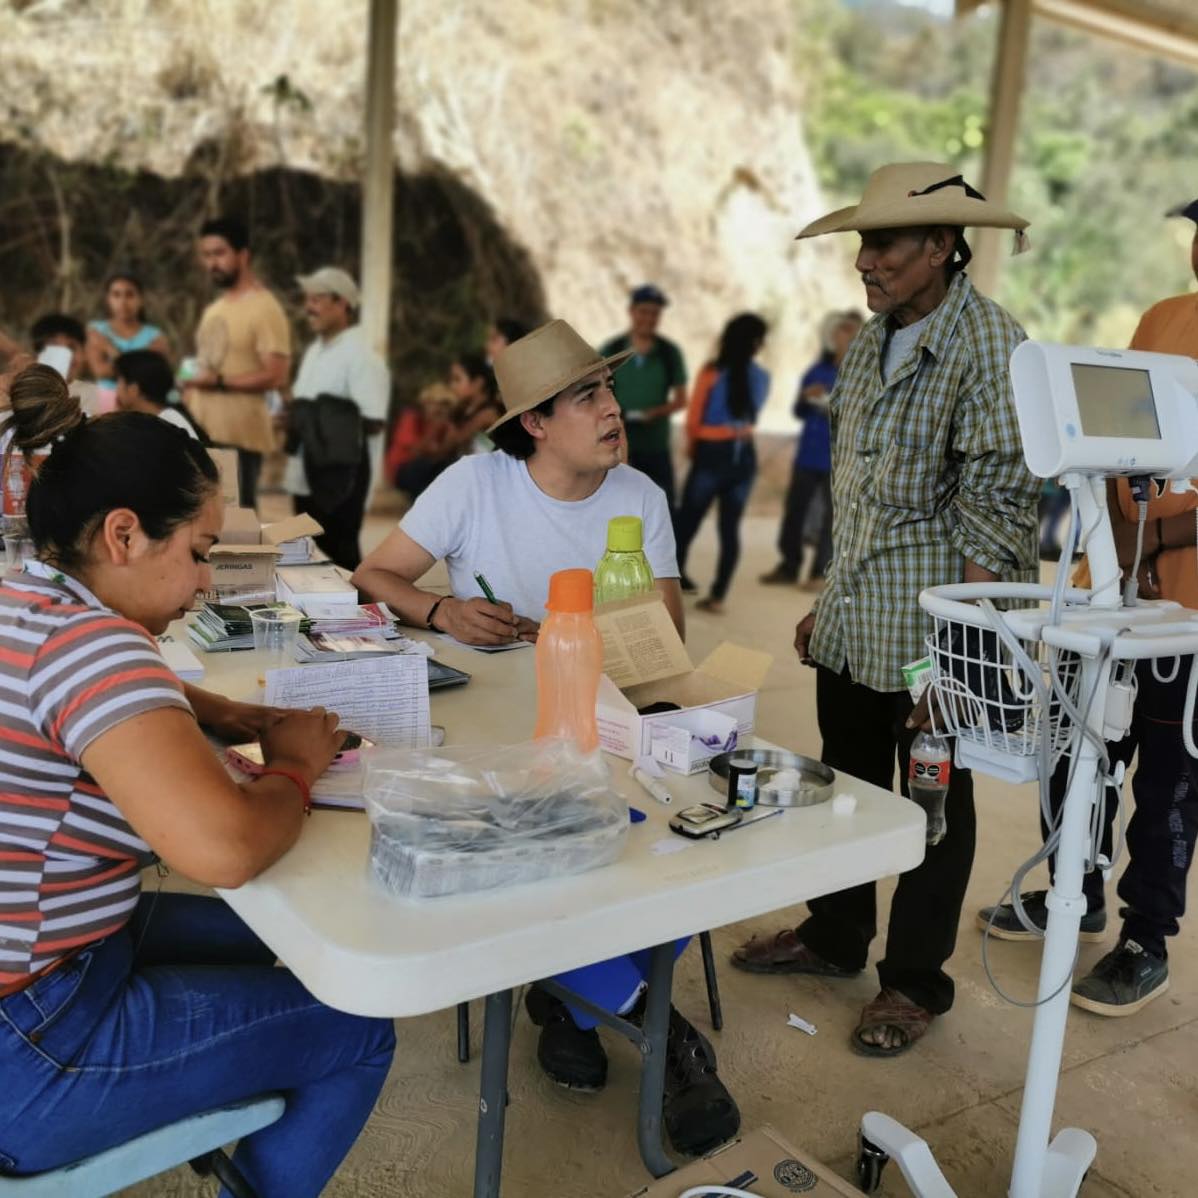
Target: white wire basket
column 989, row 697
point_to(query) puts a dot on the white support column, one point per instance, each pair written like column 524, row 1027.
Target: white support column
column 377, row 182
column 1006, row 92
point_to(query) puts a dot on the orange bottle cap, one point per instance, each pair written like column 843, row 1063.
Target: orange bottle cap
column 571, row 591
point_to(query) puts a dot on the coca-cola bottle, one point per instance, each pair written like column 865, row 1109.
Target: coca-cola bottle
column 927, row 780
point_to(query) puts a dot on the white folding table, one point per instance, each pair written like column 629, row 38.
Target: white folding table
column 360, row 950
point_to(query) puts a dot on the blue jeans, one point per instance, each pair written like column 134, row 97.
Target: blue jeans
column 723, row 472
column 609, row 984
column 179, row 1012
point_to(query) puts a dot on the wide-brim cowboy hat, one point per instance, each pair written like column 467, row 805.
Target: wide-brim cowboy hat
column 544, row 363
column 907, row 195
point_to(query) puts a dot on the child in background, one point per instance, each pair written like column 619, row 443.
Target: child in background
column 146, row 383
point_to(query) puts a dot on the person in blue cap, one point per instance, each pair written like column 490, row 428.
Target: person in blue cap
column 650, row 387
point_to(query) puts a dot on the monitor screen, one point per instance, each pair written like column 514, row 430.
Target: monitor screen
column 1114, row 401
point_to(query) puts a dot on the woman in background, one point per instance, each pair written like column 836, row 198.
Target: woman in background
column 477, row 407
column 808, row 510
column 728, row 397
column 124, row 330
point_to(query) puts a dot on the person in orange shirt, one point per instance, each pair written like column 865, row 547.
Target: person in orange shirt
column 728, row 397
column 1163, row 830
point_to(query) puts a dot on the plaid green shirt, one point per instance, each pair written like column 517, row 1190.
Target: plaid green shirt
column 927, row 471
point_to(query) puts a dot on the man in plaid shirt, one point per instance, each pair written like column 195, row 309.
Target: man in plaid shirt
column 929, row 487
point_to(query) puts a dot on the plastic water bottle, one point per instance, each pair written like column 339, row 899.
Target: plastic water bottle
column 623, row 571
column 927, row 781
column 569, row 662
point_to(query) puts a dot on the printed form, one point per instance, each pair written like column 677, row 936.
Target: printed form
column 386, row 700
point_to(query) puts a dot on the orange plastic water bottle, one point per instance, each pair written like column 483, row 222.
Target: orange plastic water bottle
column 569, row 662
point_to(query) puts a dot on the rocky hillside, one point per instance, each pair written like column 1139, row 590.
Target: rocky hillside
column 613, row 140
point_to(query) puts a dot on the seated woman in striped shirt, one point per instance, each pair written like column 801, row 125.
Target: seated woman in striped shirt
column 121, row 1013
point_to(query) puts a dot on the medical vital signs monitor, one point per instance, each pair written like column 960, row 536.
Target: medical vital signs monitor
column 1106, row 411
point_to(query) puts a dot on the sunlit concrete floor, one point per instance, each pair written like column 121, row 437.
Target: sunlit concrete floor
column 1132, row 1082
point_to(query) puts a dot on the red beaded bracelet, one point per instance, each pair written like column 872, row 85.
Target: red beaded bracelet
column 304, row 789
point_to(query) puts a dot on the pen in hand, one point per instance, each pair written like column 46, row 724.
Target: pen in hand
column 485, row 586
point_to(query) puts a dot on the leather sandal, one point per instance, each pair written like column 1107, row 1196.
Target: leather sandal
column 785, row 953
column 895, row 1012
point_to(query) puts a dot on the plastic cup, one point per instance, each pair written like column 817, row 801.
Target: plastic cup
column 17, row 551
column 275, row 635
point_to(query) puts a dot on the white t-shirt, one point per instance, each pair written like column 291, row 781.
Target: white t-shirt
column 486, row 515
column 345, row 366
column 175, row 417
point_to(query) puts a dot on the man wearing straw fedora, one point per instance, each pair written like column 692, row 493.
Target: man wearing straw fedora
column 540, row 504
column 929, row 487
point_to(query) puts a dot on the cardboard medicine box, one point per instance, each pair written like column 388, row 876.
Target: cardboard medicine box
column 645, row 662
column 248, row 551
column 760, row 1162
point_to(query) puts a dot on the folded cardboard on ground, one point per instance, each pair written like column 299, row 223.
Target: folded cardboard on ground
column 645, row 662
column 776, row 1169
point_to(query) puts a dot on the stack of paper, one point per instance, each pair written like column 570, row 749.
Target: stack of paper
column 239, row 595
column 219, row 627
column 304, row 585
column 323, row 646
column 336, row 619
column 299, row 552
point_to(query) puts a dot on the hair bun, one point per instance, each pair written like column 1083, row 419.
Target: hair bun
column 43, row 409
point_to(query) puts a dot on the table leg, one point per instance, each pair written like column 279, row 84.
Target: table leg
column 655, row 1032
column 492, row 1103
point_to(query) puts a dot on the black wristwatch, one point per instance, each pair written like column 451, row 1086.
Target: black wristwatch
column 432, row 612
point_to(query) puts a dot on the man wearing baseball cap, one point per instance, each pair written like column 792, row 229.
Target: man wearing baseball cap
column 650, row 386
column 1162, row 832
column 929, row 487
column 341, row 363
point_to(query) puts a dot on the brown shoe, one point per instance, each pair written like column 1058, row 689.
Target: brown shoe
column 785, row 953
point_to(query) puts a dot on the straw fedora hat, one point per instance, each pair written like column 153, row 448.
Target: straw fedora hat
column 906, row 195
column 548, row 360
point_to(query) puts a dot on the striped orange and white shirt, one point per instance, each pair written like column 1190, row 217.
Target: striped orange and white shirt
column 71, row 669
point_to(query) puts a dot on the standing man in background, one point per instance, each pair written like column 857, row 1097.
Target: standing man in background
column 1164, row 827
column 930, row 488
column 340, row 363
column 650, row 387
column 244, row 349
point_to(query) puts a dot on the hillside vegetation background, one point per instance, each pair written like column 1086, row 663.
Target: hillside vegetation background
column 552, row 153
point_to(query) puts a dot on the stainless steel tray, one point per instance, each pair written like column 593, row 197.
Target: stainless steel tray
column 816, row 780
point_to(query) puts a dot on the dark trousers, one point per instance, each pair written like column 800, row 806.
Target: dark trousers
column 658, row 464
column 806, row 487
column 249, row 469
column 1164, row 826
column 340, row 519
column 723, row 472
column 864, row 731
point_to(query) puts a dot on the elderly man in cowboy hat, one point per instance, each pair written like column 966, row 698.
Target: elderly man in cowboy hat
column 540, row 504
column 929, row 487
